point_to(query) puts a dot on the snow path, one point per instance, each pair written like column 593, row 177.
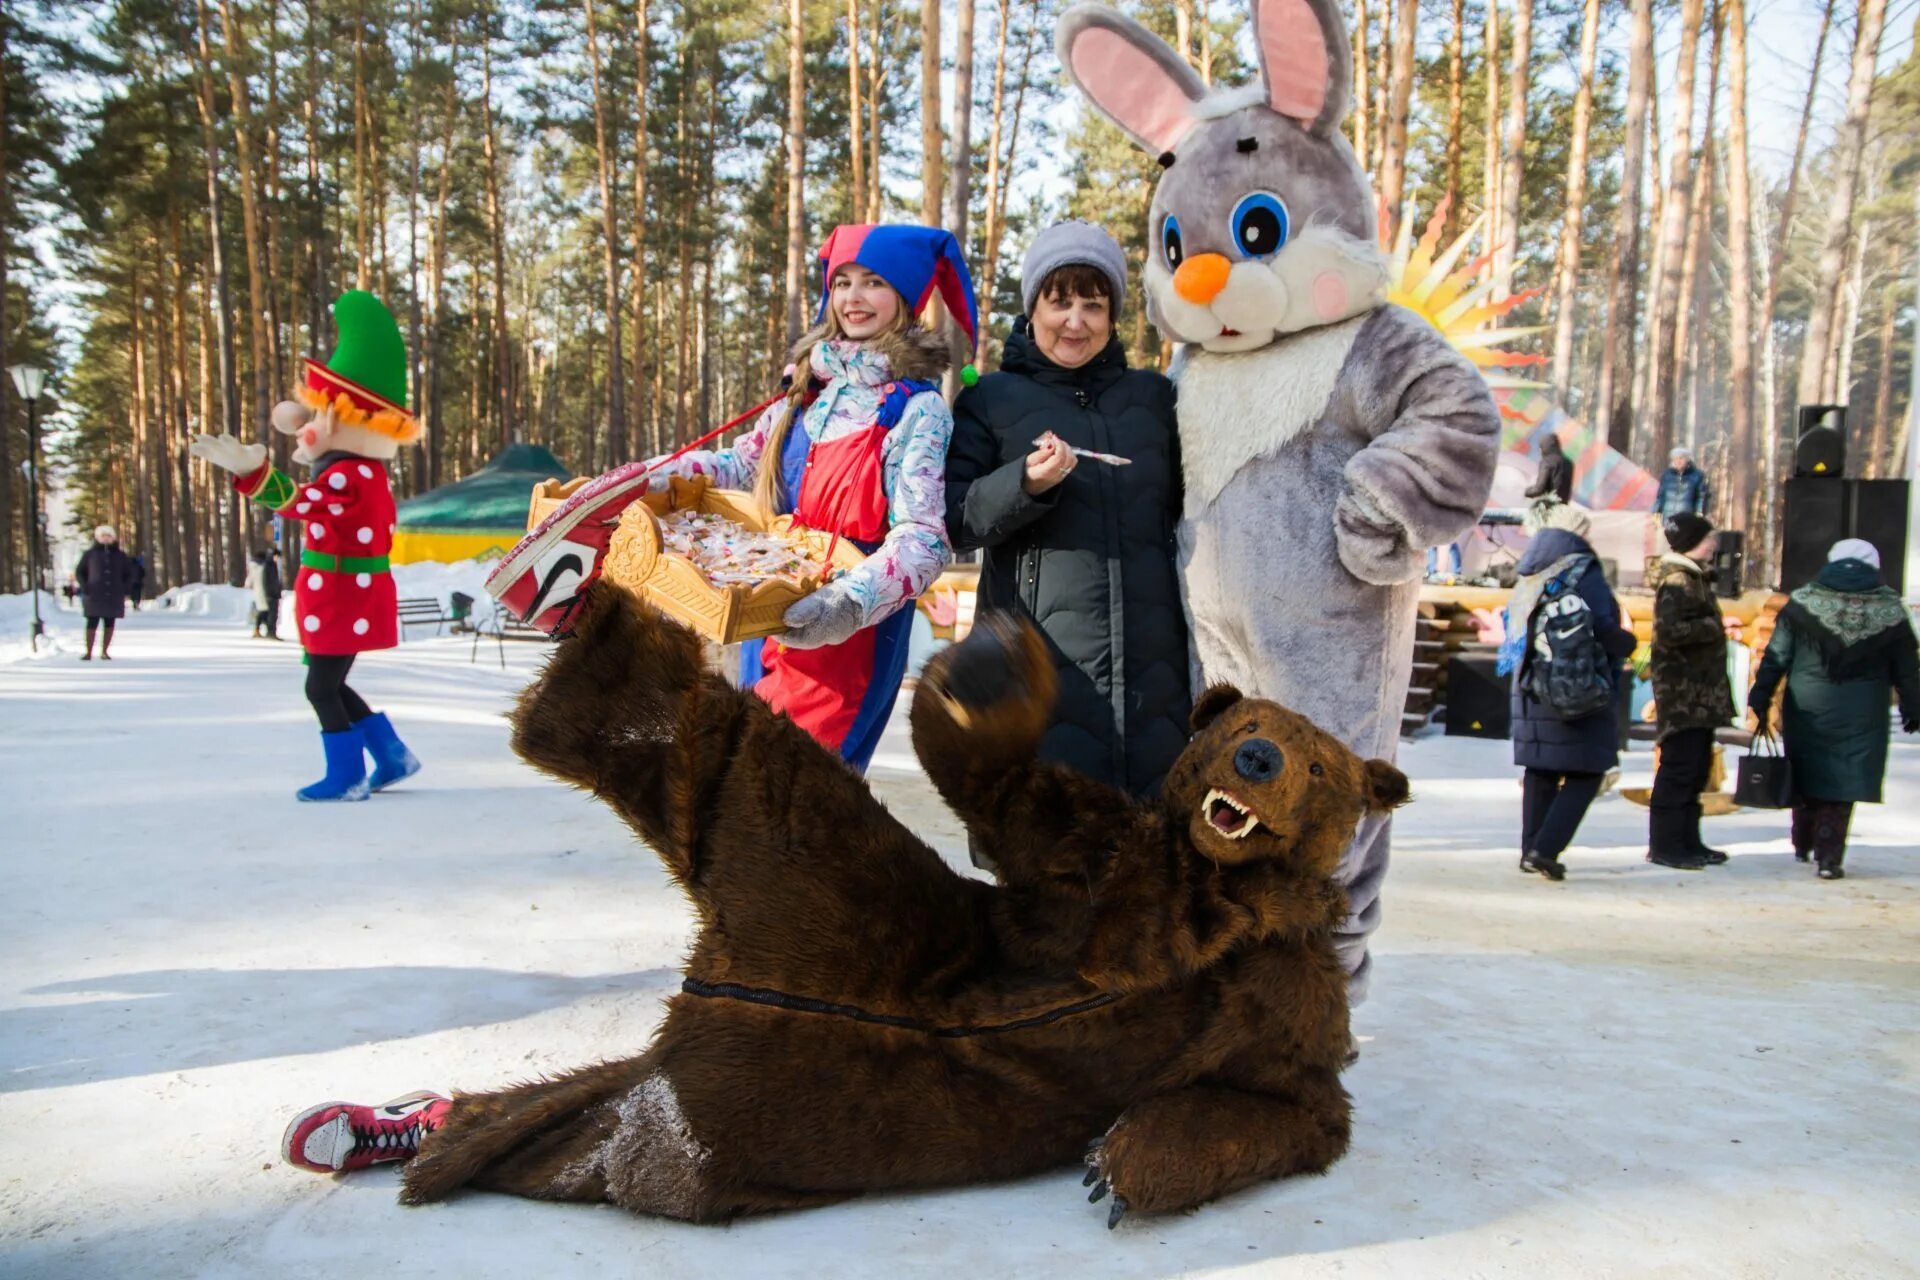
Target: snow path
column 1636, row 1073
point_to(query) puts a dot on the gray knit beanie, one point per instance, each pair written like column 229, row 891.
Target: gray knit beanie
column 1072, row 244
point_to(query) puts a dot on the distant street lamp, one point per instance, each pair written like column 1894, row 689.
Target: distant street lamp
column 29, row 380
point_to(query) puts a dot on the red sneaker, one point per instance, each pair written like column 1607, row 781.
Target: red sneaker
column 339, row 1137
column 543, row 579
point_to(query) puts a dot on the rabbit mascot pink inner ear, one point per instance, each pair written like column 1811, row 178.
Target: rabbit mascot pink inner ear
column 1327, row 438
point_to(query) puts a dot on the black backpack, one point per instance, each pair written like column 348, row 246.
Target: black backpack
column 1567, row 669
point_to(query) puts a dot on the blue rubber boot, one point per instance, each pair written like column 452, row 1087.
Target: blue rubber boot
column 346, row 769
column 391, row 759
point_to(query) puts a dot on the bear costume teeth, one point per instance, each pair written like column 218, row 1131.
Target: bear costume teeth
column 1228, row 816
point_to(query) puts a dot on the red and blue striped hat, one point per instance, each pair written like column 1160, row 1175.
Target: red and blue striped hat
column 914, row 260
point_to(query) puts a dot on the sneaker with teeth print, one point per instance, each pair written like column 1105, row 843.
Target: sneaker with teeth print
column 341, row 1137
column 543, row 579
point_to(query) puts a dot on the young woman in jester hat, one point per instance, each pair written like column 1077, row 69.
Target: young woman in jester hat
column 349, row 421
column 857, row 448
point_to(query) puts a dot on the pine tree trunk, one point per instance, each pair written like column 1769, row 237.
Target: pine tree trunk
column 417, row 471
column 1777, row 254
column 990, row 238
column 1456, row 115
column 683, row 249
column 501, row 398
column 250, row 223
column 1740, row 299
column 643, row 75
column 171, row 499
column 1382, row 75
column 858, row 195
column 1206, row 45
column 273, row 167
column 1839, row 389
column 876, row 81
column 8, row 581
column 610, row 242
column 139, row 414
column 1393, row 179
column 437, row 267
column 1514, row 147
column 1676, row 210
column 1849, row 149
column 1612, row 405
column 1362, row 84
column 1685, row 370
column 960, row 179
column 1875, row 463
column 223, row 307
column 931, row 143
column 796, row 171
column 959, row 191
column 1567, row 267
column 362, row 132
column 1494, row 234
column 999, row 209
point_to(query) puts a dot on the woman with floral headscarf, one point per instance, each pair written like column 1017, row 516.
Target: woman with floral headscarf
column 1845, row 647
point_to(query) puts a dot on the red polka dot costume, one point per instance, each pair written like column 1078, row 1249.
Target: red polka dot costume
column 344, row 599
column 350, row 419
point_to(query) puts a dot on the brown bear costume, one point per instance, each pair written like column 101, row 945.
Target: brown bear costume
column 1156, row 980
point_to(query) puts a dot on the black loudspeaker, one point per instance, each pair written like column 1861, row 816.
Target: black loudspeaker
column 1821, row 511
column 1730, row 564
column 1879, row 514
column 1816, row 518
column 1821, row 447
column 1478, row 703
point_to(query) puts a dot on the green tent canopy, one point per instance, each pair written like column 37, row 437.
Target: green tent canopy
column 480, row 516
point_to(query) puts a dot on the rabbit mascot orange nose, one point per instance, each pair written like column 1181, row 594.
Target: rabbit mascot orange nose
column 348, row 420
column 1327, row 438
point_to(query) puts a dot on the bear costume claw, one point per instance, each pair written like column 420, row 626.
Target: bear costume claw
column 1137, row 991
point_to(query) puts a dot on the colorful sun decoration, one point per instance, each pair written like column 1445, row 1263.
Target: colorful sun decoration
column 1458, row 300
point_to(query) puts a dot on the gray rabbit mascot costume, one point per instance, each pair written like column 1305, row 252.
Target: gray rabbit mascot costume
column 1327, row 438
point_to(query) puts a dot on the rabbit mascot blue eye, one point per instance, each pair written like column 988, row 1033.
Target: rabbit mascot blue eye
column 1327, row 438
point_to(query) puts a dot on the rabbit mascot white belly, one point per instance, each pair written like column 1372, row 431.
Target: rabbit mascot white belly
column 1327, row 438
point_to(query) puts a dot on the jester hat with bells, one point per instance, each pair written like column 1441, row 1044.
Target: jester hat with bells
column 357, row 401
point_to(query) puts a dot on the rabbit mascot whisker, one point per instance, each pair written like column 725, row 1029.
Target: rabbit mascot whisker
column 348, row 421
column 1327, row 439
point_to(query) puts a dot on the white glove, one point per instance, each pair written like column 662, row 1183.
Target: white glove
column 829, row 616
column 228, row 454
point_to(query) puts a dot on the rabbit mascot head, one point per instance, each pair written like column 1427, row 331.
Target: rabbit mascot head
column 1263, row 223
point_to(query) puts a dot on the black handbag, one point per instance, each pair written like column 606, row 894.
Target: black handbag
column 1765, row 780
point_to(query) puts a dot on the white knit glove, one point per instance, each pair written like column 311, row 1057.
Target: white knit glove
column 228, row 454
column 829, row 616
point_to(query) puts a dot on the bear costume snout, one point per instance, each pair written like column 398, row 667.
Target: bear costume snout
column 1259, row 781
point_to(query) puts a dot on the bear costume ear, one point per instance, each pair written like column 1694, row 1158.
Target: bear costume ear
column 1386, row 787
column 1208, row 706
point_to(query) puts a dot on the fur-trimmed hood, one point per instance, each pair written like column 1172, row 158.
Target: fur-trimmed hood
column 913, row 352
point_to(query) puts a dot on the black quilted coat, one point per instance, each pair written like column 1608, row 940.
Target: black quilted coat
column 1091, row 560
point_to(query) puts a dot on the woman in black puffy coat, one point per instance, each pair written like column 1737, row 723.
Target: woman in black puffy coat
column 1565, row 760
column 106, row 578
column 1082, row 546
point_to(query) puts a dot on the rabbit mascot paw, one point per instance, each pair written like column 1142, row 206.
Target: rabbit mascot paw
column 1327, row 438
column 348, row 422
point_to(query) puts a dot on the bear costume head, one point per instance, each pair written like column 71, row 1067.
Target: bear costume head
column 1262, row 783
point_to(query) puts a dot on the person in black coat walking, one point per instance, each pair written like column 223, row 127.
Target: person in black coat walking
column 263, row 579
column 1082, row 546
column 1565, row 760
column 106, row 579
column 1556, row 472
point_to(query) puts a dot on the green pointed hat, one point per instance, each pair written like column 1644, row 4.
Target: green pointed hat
column 368, row 369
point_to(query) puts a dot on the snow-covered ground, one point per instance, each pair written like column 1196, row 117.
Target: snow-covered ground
column 1637, row 1073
